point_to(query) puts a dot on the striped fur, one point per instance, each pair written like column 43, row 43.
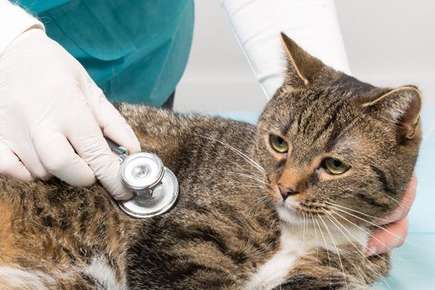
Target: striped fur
column 231, row 228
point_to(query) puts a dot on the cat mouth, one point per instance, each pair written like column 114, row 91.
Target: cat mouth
column 296, row 211
column 298, row 208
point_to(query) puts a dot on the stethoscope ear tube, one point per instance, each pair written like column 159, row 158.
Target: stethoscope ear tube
column 154, row 185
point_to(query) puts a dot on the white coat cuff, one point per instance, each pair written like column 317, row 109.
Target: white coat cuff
column 14, row 20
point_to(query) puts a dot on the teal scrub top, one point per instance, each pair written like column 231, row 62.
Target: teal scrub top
column 136, row 51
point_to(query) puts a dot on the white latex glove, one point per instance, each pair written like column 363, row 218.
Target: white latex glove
column 53, row 118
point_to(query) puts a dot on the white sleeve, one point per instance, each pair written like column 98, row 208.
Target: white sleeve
column 313, row 24
column 13, row 21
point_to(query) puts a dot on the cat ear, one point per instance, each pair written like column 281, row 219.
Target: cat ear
column 402, row 105
column 302, row 68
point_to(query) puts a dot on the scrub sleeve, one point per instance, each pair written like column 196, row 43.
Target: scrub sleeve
column 136, row 53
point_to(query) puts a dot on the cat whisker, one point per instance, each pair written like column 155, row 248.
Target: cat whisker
column 237, row 151
column 367, row 221
column 262, row 200
column 303, row 227
column 398, row 202
column 315, row 231
column 259, row 178
column 242, row 168
column 367, row 232
column 251, row 177
column 357, row 226
column 348, row 236
column 343, row 210
column 377, row 226
column 360, row 272
column 324, row 240
column 253, row 186
column 341, row 227
column 355, row 211
column 370, row 266
column 335, row 246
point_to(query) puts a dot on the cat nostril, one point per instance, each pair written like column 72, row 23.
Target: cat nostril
column 287, row 191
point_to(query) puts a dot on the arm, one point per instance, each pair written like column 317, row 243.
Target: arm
column 53, row 116
column 257, row 25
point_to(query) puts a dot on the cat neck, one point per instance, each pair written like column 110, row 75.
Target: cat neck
column 315, row 234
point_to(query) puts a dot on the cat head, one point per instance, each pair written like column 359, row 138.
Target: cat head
column 333, row 145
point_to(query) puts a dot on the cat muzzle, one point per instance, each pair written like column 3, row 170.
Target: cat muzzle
column 154, row 185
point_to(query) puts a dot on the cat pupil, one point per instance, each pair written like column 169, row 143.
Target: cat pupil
column 337, row 163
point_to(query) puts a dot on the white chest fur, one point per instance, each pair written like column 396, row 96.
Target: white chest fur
column 294, row 243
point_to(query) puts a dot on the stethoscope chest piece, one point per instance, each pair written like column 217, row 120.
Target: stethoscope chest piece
column 154, row 185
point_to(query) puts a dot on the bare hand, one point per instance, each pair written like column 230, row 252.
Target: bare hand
column 396, row 229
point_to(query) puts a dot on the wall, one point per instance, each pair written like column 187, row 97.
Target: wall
column 388, row 42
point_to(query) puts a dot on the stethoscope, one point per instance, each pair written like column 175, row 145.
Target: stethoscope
column 155, row 186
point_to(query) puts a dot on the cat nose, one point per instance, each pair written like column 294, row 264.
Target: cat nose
column 287, row 191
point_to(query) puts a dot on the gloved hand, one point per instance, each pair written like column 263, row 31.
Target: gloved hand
column 53, row 118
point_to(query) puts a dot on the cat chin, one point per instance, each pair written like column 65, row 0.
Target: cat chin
column 289, row 215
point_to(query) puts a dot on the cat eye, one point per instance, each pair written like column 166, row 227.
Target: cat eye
column 335, row 166
column 278, row 144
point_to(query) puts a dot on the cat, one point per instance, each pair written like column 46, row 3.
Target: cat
column 287, row 204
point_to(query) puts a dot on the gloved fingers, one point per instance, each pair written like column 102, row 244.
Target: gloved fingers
column 10, row 164
column 59, row 158
column 114, row 126
column 87, row 139
column 31, row 161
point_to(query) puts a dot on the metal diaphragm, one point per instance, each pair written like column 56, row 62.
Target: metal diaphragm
column 155, row 186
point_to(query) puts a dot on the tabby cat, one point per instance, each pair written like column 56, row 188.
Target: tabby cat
column 287, row 204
